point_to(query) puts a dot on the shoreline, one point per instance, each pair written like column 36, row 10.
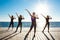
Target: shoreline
column 52, row 29
column 29, row 27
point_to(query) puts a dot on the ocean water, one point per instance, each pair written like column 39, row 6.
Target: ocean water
column 28, row 24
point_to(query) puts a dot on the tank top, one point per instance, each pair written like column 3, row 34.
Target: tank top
column 33, row 19
column 19, row 20
column 12, row 19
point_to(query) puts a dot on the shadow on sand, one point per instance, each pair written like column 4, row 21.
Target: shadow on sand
column 9, row 35
column 48, row 37
column 51, row 36
column 4, row 31
column 27, row 37
column 12, row 36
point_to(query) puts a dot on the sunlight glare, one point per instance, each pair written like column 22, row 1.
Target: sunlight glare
column 41, row 9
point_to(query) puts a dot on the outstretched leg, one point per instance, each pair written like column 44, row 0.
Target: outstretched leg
column 30, row 29
column 34, row 30
column 17, row 28
column 9, row 26
column 28, row 32
column 44, row 27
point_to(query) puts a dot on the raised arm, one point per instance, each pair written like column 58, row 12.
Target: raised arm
column 17, row 14
column 43, row 16
column 14, row 18
column 9, row 15
column 28, row 12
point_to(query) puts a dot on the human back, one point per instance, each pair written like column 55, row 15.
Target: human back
column 20, row 18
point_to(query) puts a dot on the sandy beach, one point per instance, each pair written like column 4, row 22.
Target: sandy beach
column 54, row 34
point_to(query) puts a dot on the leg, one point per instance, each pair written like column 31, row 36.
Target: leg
column 44, row 27
column 9, row 25
column 48, row 27
column 17, row 28
column 28, row 32
column 30, row 29
column 20, row 28
column 34, row 30
column 12, row 25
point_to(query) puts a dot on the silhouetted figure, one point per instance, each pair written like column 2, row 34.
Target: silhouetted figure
column 47, row 22
column 11, row 23
column 33, row 24
column 19, row 22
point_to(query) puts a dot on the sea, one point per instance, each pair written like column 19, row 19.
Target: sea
column 27, row 24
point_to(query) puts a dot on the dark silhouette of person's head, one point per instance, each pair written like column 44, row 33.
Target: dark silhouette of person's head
column 33, row 13
column 20, row 16
column 47, row 16
column 12, row 16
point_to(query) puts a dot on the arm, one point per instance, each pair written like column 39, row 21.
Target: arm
column 22, row 17
column 43, row 16
column 17, row 14
column 28, row 12
column 14, row 18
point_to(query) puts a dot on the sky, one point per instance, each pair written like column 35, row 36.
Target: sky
column 45, row 7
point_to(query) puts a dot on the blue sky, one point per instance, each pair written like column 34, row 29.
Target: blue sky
column 12, row 6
